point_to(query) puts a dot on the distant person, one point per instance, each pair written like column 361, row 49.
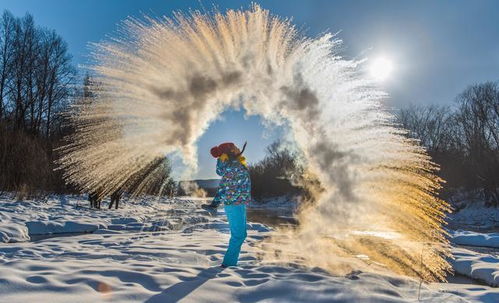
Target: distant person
column 95, row 200
column 234, row 191
column 115, row 198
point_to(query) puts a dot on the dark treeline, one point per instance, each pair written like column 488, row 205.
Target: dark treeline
column 281, row 173
column 36, row 84
column 272, row 176
column 463, row 140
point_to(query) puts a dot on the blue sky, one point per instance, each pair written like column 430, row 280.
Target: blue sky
column 437, row 47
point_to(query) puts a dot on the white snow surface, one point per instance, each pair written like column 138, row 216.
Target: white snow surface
column 164, row 251
column 474, row 215
column 478, row 266
column 471, row 292
column 471, row 238
column 478, row 256
column 71, row 214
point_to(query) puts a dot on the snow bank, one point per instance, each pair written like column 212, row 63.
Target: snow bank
column 471, row 238
column 13, row 232
column 477, row 266
column 71, row 214
column 47, row 227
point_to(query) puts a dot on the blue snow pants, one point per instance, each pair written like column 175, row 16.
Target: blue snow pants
column 236, row 215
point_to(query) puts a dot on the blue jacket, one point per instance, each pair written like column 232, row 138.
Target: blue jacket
column 235, row 186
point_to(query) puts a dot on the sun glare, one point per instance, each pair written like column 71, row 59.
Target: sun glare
column 381, row 68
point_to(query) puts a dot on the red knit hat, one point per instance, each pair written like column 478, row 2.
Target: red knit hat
column 215, row 152
column 223, row 148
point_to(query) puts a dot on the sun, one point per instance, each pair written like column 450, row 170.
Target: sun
column 381, row 68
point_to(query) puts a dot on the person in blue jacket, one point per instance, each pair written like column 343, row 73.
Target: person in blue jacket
column 234, row 191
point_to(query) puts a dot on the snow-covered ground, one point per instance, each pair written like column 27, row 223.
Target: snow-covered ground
column 170, row 251
column 482, row 267
column 471, row 238
column 468, row 290
column 71, row 214
column 477, row 256
column 471, row 213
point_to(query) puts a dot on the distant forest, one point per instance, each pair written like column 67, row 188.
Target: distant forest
column 463, row 139
column 38, row 82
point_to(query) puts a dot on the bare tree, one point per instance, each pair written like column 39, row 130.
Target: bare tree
column 478, row 120
column 38, row 75
column 60, row 76
column 464, row 141
column 431, row 125
column 275, row 174
column 36, row 83
column 7, row 23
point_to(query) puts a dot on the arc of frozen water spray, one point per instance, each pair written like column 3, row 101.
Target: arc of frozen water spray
column 162, row 82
